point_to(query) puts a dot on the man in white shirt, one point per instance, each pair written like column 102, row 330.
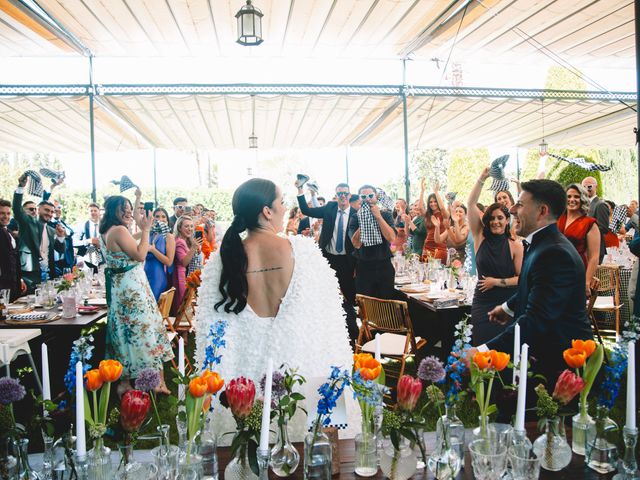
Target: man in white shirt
column 87, row 239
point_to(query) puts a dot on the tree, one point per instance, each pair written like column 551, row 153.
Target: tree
column 465, row 167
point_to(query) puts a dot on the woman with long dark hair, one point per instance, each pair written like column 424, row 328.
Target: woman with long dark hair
column 136, row 335
column 277, row 295
column 498, row 261
column 436, row 214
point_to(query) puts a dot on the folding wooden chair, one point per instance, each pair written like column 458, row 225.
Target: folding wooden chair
column 590, row 304
column 607, row 303
column 389, row 318
column 164, row 305
column 183, row 321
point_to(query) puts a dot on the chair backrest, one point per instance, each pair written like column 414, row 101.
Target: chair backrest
column 185, row 307
column 608, row 276
column 595, row 289
column 390, row 316
column 164, row 302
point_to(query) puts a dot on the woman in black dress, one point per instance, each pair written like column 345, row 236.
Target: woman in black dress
column 498, row 262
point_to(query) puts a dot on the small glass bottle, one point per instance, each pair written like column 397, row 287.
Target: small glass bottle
column 25, row 472
column 317, row 455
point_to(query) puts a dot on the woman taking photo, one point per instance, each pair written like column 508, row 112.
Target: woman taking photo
column 581, row 230
column 162, row 249
column 498, row 261
column 135, row 331
column 187, row 260
column 436, row 214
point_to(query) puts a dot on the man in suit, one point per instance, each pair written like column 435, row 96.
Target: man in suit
column 36, row 237
column 336, row 246
column 599, row 210
column 179, row 207
column 550, row 302
column 9, row 257
column 88, row 239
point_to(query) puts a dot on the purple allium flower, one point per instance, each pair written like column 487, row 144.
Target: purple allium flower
column 11, row 391
column 148, row 380
column 431, row 370
column 278, row 390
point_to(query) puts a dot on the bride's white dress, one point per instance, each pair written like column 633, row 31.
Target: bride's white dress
column 309, row 332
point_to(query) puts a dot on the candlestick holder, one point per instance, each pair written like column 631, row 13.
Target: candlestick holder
column 521, row 442
column 263, row 463
column 82, row 467
column 628, row 465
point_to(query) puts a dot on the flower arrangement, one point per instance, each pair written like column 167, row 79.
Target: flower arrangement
column 148, row 380
column 456, row 367
column 69, row 279
column 367, row 380
column 485, row 366
column 588, row 355
column 81, row 351
column 100, row 378
column 193, row 280
column 11, row 391
column 567, row 387
column 284, row 400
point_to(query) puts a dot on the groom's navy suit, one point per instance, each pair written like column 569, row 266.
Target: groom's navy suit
column 549, row 304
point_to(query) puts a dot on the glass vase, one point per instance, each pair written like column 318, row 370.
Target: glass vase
column 190, row 463
column 64, row 456
column 398, row 463
column 238, row 467
column 583, row 430
column 317, row 455
column 284, row 456
column 165, row 456
column 455, row 429
column 99, row 460
column 129, row 468
column 8, row 463
column 209, row 451
column 551, row 447
column 481, row 432
column 602, row 452
column 444, row 462
column 24, row 470
column 47, row 457
column 366, row 462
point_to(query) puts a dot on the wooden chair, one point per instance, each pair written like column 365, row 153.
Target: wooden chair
column 391, row 319
column 590, row 304
column 182, row 323
column 164, row 305
column 607, row 304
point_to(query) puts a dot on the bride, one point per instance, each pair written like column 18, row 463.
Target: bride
column 277, row 294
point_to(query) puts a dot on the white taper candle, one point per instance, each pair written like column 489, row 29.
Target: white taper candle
column 631, row 386
column 522, row 388
column 181, row 366
column 266, row 408
column 377, row 344
column 81, row 445
column 516, row 352
column 46, row 387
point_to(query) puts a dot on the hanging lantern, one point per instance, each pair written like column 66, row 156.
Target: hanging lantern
column 543, row 148
column 253, row 141
column 249, row 25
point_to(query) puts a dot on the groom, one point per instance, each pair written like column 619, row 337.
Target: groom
column 549, row 304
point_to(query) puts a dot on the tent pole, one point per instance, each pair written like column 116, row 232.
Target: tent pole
column 637, row 129
column 407, row 183
column 346, row 162
column 155, row 178
column 94, row 195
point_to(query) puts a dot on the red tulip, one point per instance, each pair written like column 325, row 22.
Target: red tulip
column 134, row 408
column 568, row 386
column 240, row 395
column 409, row 390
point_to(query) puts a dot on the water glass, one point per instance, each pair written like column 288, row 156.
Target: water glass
column 524, row 467
column 488, row 459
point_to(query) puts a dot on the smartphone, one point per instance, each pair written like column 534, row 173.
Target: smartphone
column 187, row 209
column 148, row 207
column 198, row 234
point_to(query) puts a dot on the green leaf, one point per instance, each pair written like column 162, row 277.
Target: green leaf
column 297, row 396
column 253, row 457
column 492, row 409
column 87, row 410
column 591, row 369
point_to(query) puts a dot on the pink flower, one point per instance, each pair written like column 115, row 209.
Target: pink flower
column 240, row 394
column 456, row 264
column 568, row 386
column 68, row 277
column 409, row 390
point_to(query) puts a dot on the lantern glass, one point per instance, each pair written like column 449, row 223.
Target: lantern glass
column 543, row 148
column 253, row 141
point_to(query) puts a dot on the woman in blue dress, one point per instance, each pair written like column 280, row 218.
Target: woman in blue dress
column 162, row 248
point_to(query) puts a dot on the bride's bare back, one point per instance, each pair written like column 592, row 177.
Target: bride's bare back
column 270, row 265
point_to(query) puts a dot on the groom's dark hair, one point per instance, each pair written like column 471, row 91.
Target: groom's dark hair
column 248, row 201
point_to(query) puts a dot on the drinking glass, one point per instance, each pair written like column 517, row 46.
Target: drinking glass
column 488, row 459
column 524, row 467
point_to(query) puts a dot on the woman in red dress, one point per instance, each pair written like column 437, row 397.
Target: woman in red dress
column 437, row 211
column 581, row 230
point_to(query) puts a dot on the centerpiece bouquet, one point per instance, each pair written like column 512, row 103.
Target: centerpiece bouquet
column 485, row 367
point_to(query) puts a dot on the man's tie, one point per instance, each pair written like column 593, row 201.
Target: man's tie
column 526, row 246
column 95, row 230
column 340, row 239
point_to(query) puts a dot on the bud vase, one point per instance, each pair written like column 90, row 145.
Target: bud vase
column 129, row 468
column 444, row 462
column 455, row 429
column 8, row 463
column 602, row 452
column 209, row 451
column 99, row 460
column 551, row 447
column 165, row 455
column 317, row 455
column 24, row 470
column 398, row 463
column 284, row 456
column 583, row 430
column 238, row 467
column 47, row 457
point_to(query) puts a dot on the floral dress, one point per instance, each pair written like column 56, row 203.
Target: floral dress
column 136, row 335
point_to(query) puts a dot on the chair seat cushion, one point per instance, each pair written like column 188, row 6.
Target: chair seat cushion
column 605, row 303
column 390, row 344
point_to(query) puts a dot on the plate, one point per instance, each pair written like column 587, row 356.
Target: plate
column 102, row 302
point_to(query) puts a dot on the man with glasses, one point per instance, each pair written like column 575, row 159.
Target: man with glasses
column 599, row 210
column 36, row 237
column 179, row 208
column 372, row 232
column 336, row 246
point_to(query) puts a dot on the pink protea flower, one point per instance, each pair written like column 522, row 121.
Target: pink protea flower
column 567, row 387
column 241, row 393
column 409, row 390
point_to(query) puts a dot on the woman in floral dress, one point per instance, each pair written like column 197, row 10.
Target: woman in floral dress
column 136, row 335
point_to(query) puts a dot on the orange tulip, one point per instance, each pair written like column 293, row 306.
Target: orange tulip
column 587, row 346
column 93, row 380
column 368, row 366
column 214, row 382
column 574, row 357
column 198, row 387
column 207, row 403
column 499, row 360
column 110, row 370
column 482, row 360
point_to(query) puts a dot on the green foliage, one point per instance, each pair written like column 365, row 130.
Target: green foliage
column 567, row 173
column 464, row 169
column 560, row 78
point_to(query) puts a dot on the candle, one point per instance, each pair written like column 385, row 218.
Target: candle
column 266, row 409
column 377, row 346
column 181, row 366
column 516, row 351
column 631, row 386
column 522, row 388
column 81, row 447
column 46, row 388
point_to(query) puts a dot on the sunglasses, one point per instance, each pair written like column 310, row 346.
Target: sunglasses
column 32, row 209
column 364, row 197
column 589, row 187
column 342, row 194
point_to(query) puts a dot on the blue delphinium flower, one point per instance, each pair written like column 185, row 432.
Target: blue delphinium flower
column 367, row 391
column 81, row 351
column 330, row 393
column 455, row 367
column 216, row 341
column 613, row 372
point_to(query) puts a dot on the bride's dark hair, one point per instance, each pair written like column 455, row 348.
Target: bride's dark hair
column 248, row 201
